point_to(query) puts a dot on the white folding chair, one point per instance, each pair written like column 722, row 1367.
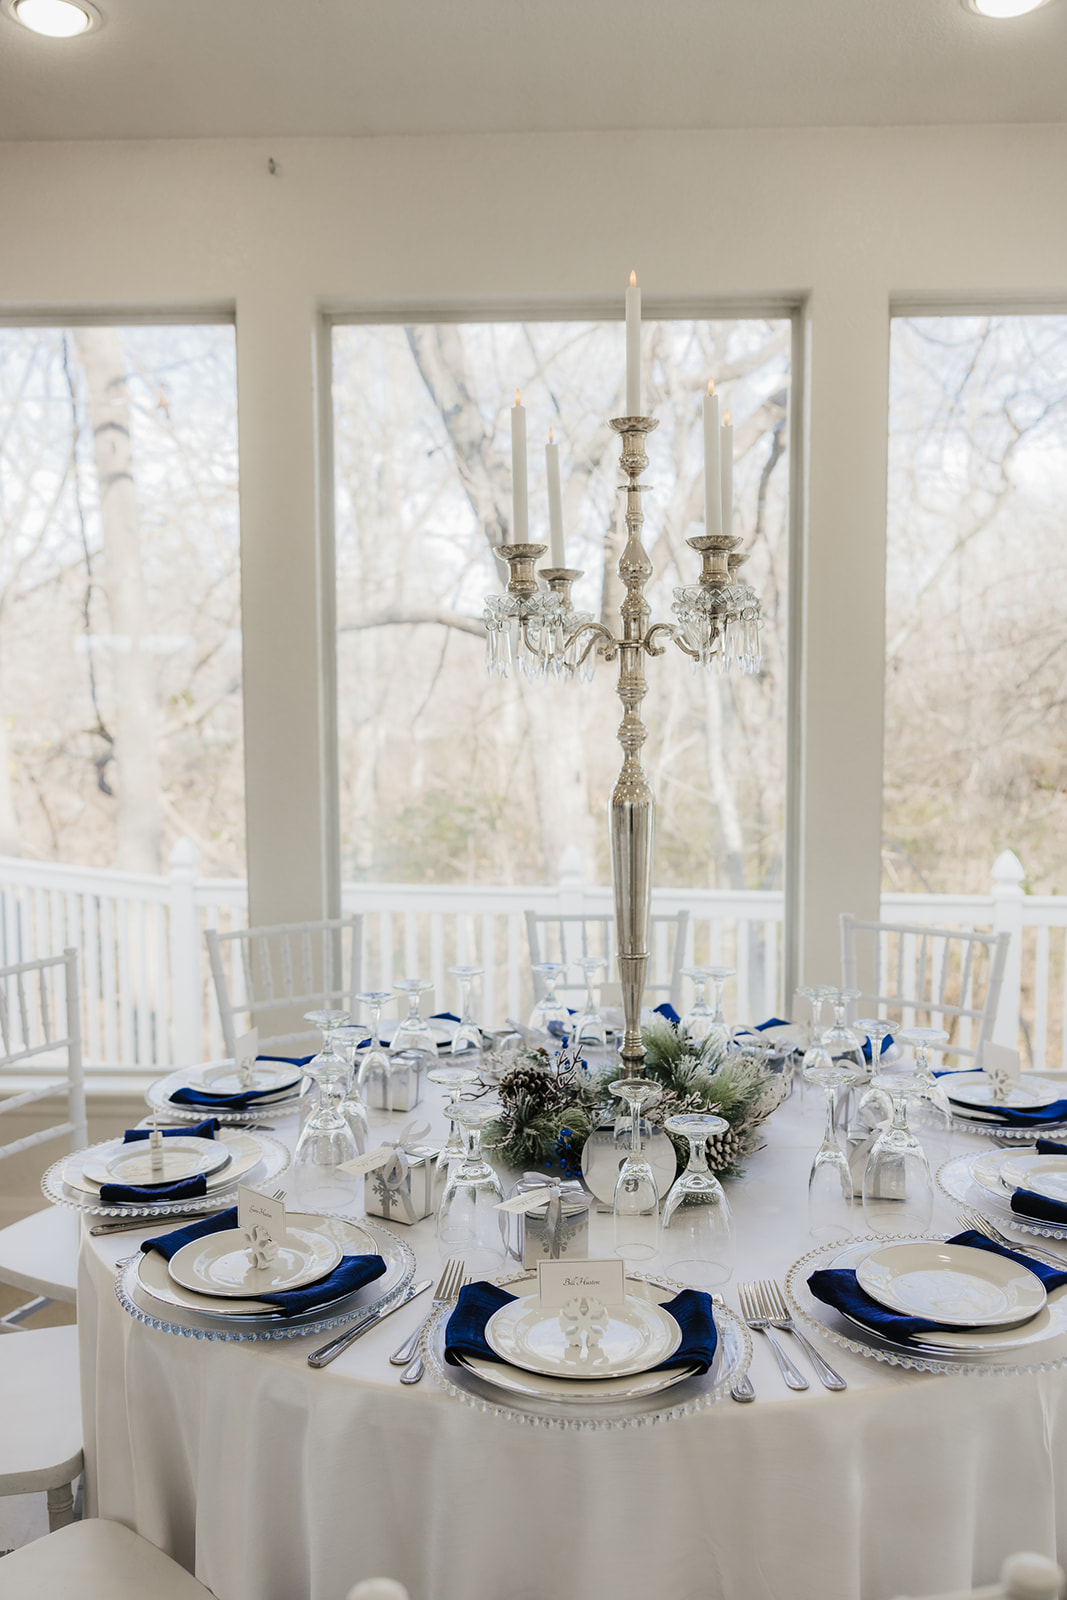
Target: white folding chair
column 927, row 977
column 566, row 936
column 378, row 1589
column 40, row 1034
column 95, row 1560
column 277, row 972
column 1023, row 1577
column 41, row 1432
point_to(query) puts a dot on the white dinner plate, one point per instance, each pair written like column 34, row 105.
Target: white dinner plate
column 132, row 1163
column 277, row 1104
column 637, row 1335
column 535, row 1386
column 976, row 1089
column 221, row 1263
column 987, row 1170
column 951, row 1283
column 276, row 1075
column 1045, row 1175
column 243, row 1149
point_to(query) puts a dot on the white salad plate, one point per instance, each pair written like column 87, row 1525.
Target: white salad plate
column 987, row 1171
column 976, row 1089
column 275, row 1103
column 221, row 1263
column 132, row 1163
column 242, row 1151
column 951, row 1283
column 637, row 1335
column 277, row 1075
column 1040, row 1174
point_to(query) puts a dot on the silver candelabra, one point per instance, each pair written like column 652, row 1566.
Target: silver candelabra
column 539, row 632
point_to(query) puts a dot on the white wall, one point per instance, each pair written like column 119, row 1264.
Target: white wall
column 847, row 220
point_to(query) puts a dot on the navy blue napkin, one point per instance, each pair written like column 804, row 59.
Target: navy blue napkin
column 839, row 1288
column 199, row 1130
column 445, row 1016
column 667, row 1011
column 1050, row 1147
column 351, row 1273
column 1025, row 1203
column 771, row 1022
column 233, row 1102
column 1040, row 1117
column 168, row 1244
column 129, row 1194
column 290, row 1061
column 465, row 1333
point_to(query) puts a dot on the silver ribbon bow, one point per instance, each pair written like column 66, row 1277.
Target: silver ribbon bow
column 394, row 1174
column 558, row 1190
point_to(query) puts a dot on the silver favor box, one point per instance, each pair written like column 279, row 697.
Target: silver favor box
column 405, row 1199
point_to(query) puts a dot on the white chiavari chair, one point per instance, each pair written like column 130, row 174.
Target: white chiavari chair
column 946, row 978
column 271, row 975
column 40, row 1038
column 95, row 1560
column 1023, row 1577
column 566, row 936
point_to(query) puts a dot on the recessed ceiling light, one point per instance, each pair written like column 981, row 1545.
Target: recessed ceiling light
column 1003, row 8
column 59, row 19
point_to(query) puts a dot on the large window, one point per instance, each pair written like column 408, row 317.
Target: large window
column 976, row 603
column 448, row 776
column 120, row 660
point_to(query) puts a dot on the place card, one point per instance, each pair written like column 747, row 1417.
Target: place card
column 559, row 1282
column 245, row 1051
column 255, row 1210
column 1001, row 1056
column 359, row 1166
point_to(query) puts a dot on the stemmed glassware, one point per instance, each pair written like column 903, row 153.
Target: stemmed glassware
column 921, row 1040
column 704, row 1021
column 589, row 1026
column 830, row 1202
column 840, row 1041
column 414, row 1032
column 636, row 1208
column 468, row 1035
column 898, row 1191
column 347, row 1039
column 468, row 1223
column 550, row 1008
column 876, row 1030
column 326, row 1140
column 453, row 1080
column 375, row 1060
column 697, row 1228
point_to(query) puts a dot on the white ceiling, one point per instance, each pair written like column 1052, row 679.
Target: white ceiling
column 202, row 68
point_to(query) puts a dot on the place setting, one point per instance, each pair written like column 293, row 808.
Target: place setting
column 258, row 1271
column 237, row 1090
column 998, row 1105
column 1024, row 1186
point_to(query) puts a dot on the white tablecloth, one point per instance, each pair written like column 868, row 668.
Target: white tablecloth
column 274, row 1482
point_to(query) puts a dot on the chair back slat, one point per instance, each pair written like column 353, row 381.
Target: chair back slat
column 290, row 967
column 36, row 1042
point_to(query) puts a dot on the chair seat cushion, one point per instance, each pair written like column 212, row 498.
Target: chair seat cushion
column 40, row 1410
column 95, row 1560
column 40, row 1253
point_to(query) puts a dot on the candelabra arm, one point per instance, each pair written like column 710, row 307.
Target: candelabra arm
column 669, row 631
column 600, row 637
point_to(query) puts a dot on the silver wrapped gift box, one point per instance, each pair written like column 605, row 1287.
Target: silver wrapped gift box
column 399, row 1087
column 559, row 1226
column 403, row 1189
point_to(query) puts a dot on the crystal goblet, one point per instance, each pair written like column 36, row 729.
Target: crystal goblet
column 374, row 1061
column 898, row 1191
column 830, row 1202
column 326, row 1140
column 453, row 1080
column 468, row 1035
column 414, row 1032
column 468, row 1223
column 922, row 1040
column 589, row 1027
column 550, row 1008
column 636, row 1208
column 697, row 1227
column 346, row 1040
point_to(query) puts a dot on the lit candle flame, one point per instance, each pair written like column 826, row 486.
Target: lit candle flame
column 518, row 398
column 711, row 385
column 550, row 435
column 726, row 419
column 633, row 280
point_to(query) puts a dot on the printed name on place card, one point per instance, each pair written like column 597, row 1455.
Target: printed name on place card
column 259, row 1210
column 560, row 1281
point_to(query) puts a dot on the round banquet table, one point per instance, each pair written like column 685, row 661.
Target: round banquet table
column 272, row 1481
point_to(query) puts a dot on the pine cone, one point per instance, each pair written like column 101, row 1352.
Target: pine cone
column 725, row 1150
column 530, row 1082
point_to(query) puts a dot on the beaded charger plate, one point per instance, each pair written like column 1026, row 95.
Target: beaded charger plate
column 539, row 1410
column 273, row 1158
column 237, row 1327
column 158, row 1094
column 1046, row 1351
column 956, row 1178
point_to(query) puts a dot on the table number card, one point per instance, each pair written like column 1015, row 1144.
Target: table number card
column 255, row 1210
column 245, row 1051
column 559, row 1282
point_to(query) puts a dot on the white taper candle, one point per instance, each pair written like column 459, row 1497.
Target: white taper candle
column 633, row 348
column 519, row 508
column 555, row 504
column 726, row 468
column 712, row 462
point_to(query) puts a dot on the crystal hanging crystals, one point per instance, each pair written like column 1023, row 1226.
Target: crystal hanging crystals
column 521, row 626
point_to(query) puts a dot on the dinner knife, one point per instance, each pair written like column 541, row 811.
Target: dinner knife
column 329, row 1352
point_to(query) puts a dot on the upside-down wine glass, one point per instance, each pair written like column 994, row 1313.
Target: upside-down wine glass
column 347, row 1039
column 697, row 1228
column 468, row 1035
column 468, row 1223
column 453, row 1080
column 898, row 1191
column 636, row 1208
column 326, row 1140
column 830, row 1188
column 550, row 1008
column 414, row 1032
column 374, row 1061
column 589, row 1026
column 922, row 1040
column 875, row 1101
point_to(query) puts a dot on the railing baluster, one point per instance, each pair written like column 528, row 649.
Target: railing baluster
column 487, row 1010
column 1040, row 1033
column 437, row 957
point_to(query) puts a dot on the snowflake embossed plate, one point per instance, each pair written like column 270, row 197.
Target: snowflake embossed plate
column 236, row 1327
column 967, row 1179
column 535, row 1405
column 1043, row 1348
column 273, row 1158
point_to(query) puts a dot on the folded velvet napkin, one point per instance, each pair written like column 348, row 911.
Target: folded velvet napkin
column 1036, row 1117
column 132, row 1194
column 692, row 1310
column 189, row 1096
column 838, row 1288
column 351, row 1272
column 1025, row 1203
column 199, row 1130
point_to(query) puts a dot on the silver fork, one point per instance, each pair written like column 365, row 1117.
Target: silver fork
column 445, row 1293
column 981, row 1224
column 752, row 1312
column 773, row 1305
column 447, row 1286
column 742, row 1391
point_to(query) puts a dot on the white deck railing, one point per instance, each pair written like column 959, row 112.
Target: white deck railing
column 147, row 999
